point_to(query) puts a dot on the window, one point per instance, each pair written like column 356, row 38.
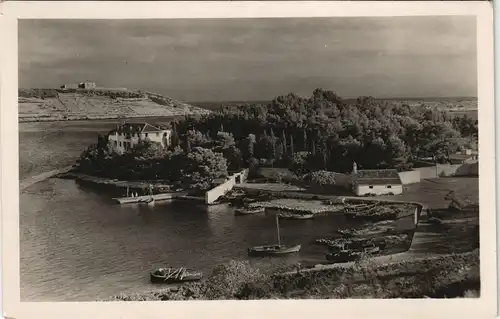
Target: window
column 157, row 134
column 120, row 144
column 370, row 186
column 146, row 134
column 165, row 134
column 116, row 143
column 389, row 186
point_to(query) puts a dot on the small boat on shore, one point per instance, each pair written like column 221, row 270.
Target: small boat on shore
column 295, row 216
column 372, row 250
column 346, row 231
column 343, row 256
column 274, row 249
column 249, row 211
column 150, row 201
column 174, row 275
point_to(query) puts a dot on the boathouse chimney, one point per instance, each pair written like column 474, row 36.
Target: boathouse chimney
column 354, row 168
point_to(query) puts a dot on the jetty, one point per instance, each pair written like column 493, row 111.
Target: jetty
column 146, row 198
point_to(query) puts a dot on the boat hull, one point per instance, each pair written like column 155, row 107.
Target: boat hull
column 242, row 212
column 161, row 279
column 274, row 250
column 143, row 198
column 339, row 258
column 296, row 216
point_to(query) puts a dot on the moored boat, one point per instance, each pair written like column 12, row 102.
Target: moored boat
column 267, row 250
column 358, row 244
column 249, row 211
column 372, row 250
column 346, row 231
column 274, row 249
column 343, row 256
column 150, row 202
column 295, row 216
column 174, row 275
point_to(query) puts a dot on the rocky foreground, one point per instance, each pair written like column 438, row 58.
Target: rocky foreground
column 453, row 275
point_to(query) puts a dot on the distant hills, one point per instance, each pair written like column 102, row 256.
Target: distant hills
column 458, row 104
column 85, row 104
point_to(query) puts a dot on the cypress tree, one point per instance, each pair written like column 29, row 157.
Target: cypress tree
column 305, row 140
column 325, row 156
column 285, row 146
column 188, row 145
column 291, row 145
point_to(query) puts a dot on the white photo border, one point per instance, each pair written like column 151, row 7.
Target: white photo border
column 485, row 306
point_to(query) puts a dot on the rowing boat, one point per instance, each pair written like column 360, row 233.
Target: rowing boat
column 174, row 275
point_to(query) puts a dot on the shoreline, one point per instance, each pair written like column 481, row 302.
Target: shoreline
column 111, row 182
column 330, row 283
column 62, row 118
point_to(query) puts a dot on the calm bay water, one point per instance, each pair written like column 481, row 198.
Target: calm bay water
column 78, row 245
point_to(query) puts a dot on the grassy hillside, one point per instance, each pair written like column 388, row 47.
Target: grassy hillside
column 60, row 105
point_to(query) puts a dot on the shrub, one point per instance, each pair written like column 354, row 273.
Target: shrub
column 231, row 280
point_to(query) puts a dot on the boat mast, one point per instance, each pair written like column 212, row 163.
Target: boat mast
column 278, row 228
column 128, row 187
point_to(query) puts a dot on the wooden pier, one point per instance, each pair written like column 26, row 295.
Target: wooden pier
column 145, row 198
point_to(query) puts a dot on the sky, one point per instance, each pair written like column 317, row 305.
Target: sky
column 256, row 59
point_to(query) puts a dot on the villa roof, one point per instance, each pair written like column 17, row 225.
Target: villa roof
column 136, row 128
column 377, row 176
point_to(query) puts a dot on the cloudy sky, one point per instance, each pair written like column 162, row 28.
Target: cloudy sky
column 255, row 59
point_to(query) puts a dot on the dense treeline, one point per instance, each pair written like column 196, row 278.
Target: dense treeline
column 321, row 132
column 325, row 132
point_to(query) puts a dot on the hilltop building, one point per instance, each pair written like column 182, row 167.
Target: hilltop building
column 376, row 181
column 82, row 85
column 128, row 135
column 87, row 85
column 69, row 86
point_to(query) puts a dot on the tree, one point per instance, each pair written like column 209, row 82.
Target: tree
column 234, row 158
column 323, row 178
column 197, row 138
column 285, row 145
column 202, row 167
column 224, row 141
column 175, row 136
column 250, row 141
column 299, row 161
column 305, row 141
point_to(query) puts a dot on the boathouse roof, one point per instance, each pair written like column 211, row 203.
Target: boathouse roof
column 377, row 176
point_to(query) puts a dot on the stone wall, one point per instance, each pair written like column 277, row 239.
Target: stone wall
column 439, row 170
column 468, row 170
column 212, row 195
column 409, row 177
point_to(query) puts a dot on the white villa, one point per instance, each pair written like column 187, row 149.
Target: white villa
column 127, row 135
column 376, row 182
